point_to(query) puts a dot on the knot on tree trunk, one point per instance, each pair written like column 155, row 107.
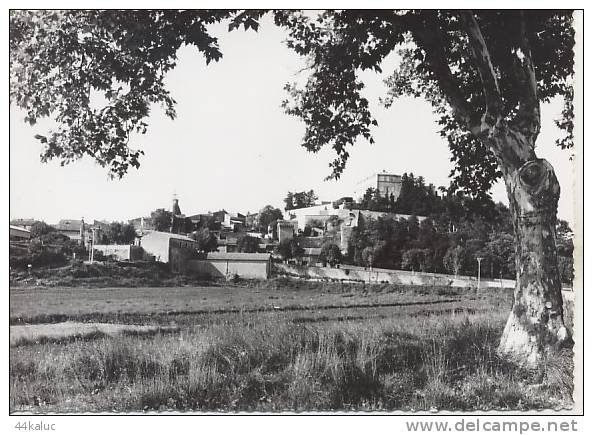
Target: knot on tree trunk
column 536, row 190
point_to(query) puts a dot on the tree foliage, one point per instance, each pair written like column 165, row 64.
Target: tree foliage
column 206, row 240
column 434, row 245
column 266, row 216
column 416, row 260
column 40, row 228
column 120, row 233
column 453, row 259
column 330, row 254
column 62, row 62
column 162, row 219
column 289, row 248
column 300, row 199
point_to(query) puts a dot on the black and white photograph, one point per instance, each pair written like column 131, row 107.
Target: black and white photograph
column 257, row 211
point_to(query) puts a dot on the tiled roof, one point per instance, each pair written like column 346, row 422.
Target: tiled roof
column 21, row 222
column 69, row 225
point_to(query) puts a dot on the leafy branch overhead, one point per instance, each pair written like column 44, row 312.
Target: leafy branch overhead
column 478, row 71
column 64, row 64
column 64, row 61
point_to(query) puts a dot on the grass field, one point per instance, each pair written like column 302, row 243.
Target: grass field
column 279, row 345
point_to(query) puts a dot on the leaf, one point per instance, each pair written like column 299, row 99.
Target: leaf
column 41, row 138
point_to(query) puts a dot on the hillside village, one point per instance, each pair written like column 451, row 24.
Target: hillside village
column 171, row 236
column 397, row 223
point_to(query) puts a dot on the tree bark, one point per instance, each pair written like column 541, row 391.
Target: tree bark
column 535, row 326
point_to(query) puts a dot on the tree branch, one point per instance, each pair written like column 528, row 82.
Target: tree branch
column 481, row 56
column 528, row 115
column 431, row 41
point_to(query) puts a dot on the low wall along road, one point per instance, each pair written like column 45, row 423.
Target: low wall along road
column 404, row 277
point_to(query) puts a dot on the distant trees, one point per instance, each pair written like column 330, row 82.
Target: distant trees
column 38, row 254
column 416, row 260
column 454, row 259
column 330, row 254
column 300, row 199
column 162, row 219
column 288, row 249
column 120, row 233
column 448, row 242
column 54, row 238
column 374, row 241
column 416, row 197
column 48, row 248
column 40, row 228
column 205, row 239
column 267, row 215
column 499, row 254
column 368, row 256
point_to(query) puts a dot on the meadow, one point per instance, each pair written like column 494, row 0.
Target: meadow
column 280, row 345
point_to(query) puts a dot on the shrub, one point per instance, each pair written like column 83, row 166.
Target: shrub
column 37, row 255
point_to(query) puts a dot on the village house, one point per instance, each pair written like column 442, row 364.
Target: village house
column 228, row 265
column 227, row 242
column 23, row 223
column 229, row 221
column 300, row 214
column 19, row 234
column 122, row 252
column 170, row 248
column 251, row 221
column 142, row 224
column 74, row 229
column 311, row 249
column 204, row 220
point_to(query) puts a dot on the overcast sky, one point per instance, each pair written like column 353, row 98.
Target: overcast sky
column 232, row 146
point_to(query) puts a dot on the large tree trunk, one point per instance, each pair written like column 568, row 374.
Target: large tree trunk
column 535, row 326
